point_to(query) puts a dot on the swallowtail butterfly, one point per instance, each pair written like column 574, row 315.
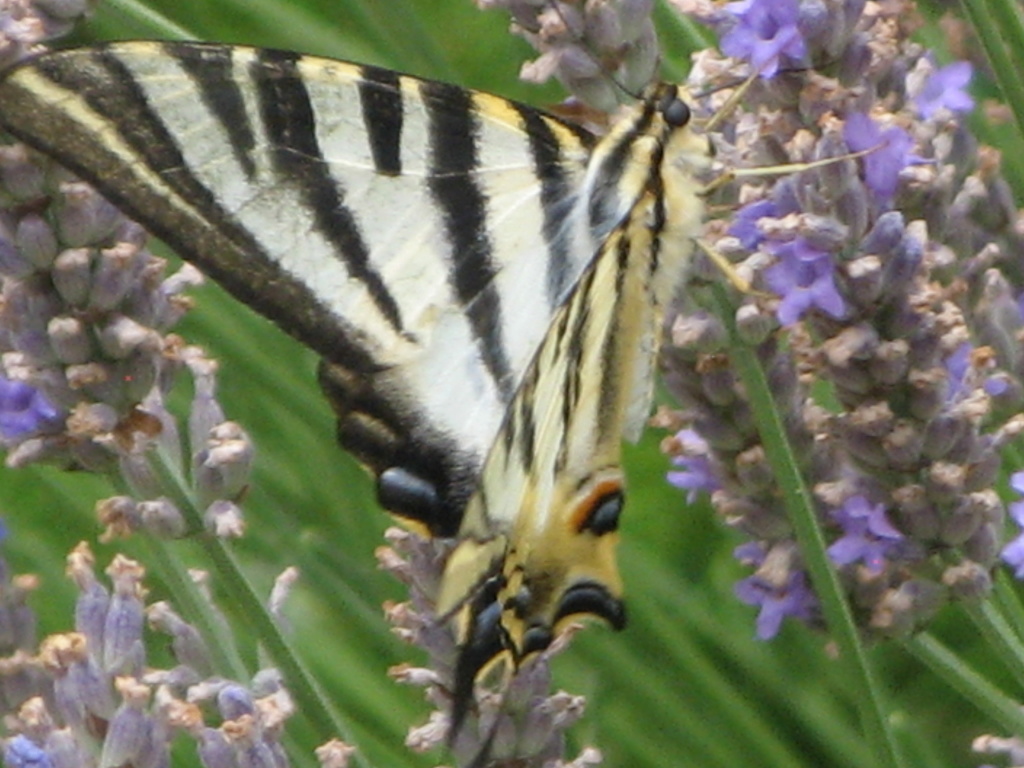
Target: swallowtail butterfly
column 484, row 282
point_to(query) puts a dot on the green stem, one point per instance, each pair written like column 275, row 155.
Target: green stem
column 326, row 722
column 1000, row 30
column 798, row 501
column 1008, row 600
column 1001, row 637
column 968, row 683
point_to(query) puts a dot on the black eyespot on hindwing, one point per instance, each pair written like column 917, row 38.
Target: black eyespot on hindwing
column 403, row 493
column 603, row 516
column 589, row 597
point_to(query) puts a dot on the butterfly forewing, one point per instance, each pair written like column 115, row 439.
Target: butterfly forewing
column 397, row 226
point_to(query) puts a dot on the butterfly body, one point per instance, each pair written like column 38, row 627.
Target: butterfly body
column 485, row 284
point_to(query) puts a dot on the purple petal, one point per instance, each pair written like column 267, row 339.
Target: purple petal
column 946, row 87
column 764, row 32
column 1013, row 556
column 1016, row 510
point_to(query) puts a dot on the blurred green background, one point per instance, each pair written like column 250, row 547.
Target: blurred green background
column 686, row 684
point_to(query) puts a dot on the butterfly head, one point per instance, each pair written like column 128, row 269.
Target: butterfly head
column 667, row 120
column 673, row 109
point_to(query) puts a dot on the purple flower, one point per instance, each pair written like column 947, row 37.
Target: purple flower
column 792, row 599
column 744, row 224
column 22, row 752
column 697, row 472
column 765, row 31
column 23, row 410
column 1013, row 553
column 697, row 475
column 946, row 87
column 996, row 386
column 890, row 153
column 868, row 536
column 958, row 365
column 959, row 370
column 804, row 278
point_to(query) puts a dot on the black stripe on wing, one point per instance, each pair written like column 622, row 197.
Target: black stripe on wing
column 227, row 251
column 290, row 124
column 557, row 196
column 212, row 74
column 453, row 162
column 381, row 99
column 604, row 202
column 572, row 333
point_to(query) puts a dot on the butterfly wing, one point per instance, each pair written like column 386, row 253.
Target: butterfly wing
column 417, row 235
column 485, row 285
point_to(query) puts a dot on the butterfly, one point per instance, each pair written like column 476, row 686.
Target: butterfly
column 485, row 283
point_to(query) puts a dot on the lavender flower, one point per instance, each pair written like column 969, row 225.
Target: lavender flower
column 89, row 361
column 1012, row 747
column 744, row 222
column 22, row 752
column 24, row 411
column 804, row 279
column 889, row 152
column 868, row 536
column 777, row 591
column 766, row 33
column 692, row 454
column 101, row 704
column 600, row 52
column 902, row 453
column 1013, row 553
column 24, row 24
column 946, row 88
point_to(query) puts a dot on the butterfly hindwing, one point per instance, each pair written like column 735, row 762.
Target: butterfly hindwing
column 537, row 544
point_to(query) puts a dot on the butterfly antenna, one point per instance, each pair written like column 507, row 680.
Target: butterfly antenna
column 772, row 170
column 730, row 103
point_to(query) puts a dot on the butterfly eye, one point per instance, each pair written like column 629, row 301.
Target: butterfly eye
column 675, row 112
column 604, row 514
column 590, row 597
